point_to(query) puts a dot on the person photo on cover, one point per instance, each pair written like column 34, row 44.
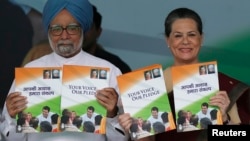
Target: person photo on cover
column 205, row 111
column 155, row 116
column 156, row 72
column 148, row 75
column 67, row 124
column 89, row 115
column 66, row 22
column 202, row 70
column 137, row 132
column 22, row 127
column 55, row 74
column 102, row 74
column 184, row 38
column 210, row 69
column 45, row 126
column 45, row 115
column 46, row 74
column 94, row 74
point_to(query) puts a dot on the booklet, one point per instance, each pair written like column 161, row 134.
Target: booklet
column 193, row 85
column 42, row 87
column 143, row 94
column 78, row 95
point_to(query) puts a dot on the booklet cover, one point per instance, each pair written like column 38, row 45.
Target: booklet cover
column 78, row 95
column 193, row 85
column 42, row 87
column 144, row 95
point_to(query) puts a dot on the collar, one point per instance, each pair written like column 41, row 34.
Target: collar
column 62, row 60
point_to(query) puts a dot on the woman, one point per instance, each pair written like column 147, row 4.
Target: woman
column 184, row 37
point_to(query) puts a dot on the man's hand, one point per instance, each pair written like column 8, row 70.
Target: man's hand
column 15, row 103
column 108, row 98
column 125, row 120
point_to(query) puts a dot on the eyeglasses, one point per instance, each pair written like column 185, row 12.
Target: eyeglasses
column 57, row 30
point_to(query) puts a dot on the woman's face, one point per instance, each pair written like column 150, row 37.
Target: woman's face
column 203, row 70
column 184, row 41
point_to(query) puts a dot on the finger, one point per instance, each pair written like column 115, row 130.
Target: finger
column 107, row 104
column 15, row 103
column 110, row 92
column 106, row 97
column 126, row 123
column 101, row 99
column 15, row 97
column 11, row 96
column 221, row 97
column 21, row 103
column 102, row 95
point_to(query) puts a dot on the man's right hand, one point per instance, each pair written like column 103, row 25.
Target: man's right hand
column 15, row 103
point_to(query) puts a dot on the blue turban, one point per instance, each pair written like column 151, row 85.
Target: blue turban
column 81, row 10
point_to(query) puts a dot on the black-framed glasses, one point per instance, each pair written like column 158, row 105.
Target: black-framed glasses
column 57, row 30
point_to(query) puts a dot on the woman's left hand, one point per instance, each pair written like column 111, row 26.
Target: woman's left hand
column 221, row 100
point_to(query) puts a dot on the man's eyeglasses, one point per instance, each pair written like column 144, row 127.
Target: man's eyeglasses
column 57, row 30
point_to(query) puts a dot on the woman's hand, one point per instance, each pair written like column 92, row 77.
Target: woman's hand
column 221, row 100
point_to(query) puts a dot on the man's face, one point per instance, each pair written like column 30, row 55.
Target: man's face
column 156, row 72
column 29, row 116
column 56, row 73
column 204, row 109
column 103, row 73
column 65, row 45
column 89, row 113
column 211, row 68
column 154, row 114
column 45, row 113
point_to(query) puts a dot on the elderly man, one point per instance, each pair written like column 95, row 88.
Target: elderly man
column 66, row 21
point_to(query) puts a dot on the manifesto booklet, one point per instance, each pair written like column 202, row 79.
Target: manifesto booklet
column 42, row 87
column 143, row 94
column 80, row 84
column 193, row 85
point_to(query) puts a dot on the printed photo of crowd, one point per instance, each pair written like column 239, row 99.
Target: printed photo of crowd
column 157, row 122
column 68, row 120
column 189, row 121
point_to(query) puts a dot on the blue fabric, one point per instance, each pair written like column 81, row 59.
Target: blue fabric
column 81, row 10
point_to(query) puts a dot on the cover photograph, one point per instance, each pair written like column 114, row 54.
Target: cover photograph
column 193, row 85
column 143, row 94
column 42, row 87
column 78, row 96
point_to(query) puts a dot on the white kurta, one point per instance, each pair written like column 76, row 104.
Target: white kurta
column 8, row 125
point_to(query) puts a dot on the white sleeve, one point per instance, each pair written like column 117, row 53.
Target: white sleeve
column 8, row 128
column 8, row 124
column 114, row 131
